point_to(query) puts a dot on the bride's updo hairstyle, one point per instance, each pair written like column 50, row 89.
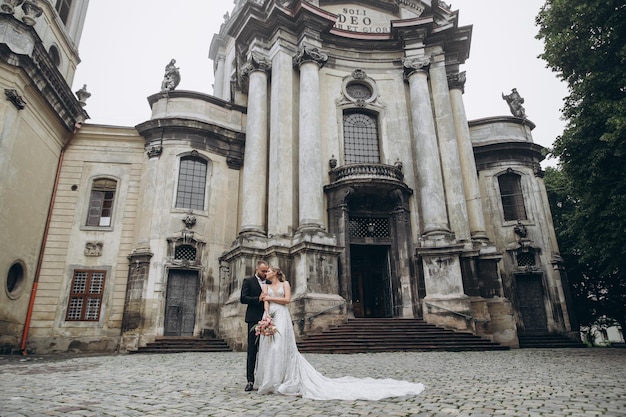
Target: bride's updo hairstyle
column 279, row 273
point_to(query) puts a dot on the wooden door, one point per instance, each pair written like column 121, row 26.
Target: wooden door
column 180, row 304
column 531, row 303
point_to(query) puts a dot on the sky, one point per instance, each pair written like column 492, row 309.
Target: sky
column 126, row 44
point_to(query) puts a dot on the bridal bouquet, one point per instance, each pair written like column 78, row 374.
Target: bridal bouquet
column 265, row 327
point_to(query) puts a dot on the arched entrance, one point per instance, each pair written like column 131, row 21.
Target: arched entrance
column 368, row 209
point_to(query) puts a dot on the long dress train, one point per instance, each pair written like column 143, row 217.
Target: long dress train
column 281, row 369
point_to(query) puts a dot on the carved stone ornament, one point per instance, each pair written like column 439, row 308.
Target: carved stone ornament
column 8, row 6
column 257, row 62
column 154, row 151
column 359, row 74
column 310, row 54
column 412, row 65
column 15, row 98
column 31, row 12
column 93, row 248
column 457, row 81
column 189, row 220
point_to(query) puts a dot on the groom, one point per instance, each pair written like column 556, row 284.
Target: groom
column 251, row 295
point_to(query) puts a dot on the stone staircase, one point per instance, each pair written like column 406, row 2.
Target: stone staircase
column 184, row 344
column 387, row 335
column 547, row 340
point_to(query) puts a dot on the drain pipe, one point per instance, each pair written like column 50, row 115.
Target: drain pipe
column 44, row 240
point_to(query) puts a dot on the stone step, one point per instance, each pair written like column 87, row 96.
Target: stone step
column 184, row 344
column 386, row 335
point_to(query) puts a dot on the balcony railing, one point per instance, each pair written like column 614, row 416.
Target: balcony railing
column 367, row 171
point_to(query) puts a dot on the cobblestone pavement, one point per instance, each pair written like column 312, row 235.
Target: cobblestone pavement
column 529, row 382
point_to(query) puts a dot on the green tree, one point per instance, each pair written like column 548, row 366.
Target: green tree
column 585, row 43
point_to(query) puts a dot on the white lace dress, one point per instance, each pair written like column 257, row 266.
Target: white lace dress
column 281, row 369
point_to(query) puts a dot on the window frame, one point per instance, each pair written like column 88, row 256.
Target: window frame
column 86, row 295
column 515, row 209
column 111, row 208
column 182, row 205
column 355, row 158
column 64, row 9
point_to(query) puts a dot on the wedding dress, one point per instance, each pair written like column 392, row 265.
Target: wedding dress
column 281, row 369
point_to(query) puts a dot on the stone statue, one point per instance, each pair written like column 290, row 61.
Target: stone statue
column 171, row 78
column 515, row 101
column 83, row 95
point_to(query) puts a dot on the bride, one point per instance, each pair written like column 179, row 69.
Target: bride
column 281, row 369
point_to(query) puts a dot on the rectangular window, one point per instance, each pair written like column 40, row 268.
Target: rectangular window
column 63, row 9
column 191, row 183
column 101, row 203
column 86, row 295
column 512, row 197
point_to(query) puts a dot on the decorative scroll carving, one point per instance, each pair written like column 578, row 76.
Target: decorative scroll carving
column 15, row 98
column 309, row 53
column 257, row 62
column 93, row 248
column 515, row 101
column 412, row 65
column 457, row 81
column 171, row 79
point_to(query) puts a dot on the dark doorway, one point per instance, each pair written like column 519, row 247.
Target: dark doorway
column 180, row 304
column 371, row 281
column 530, row 301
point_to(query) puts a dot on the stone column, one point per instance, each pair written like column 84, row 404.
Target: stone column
column 431, row 192
column 218, row 86
column 310, row 205
column 456, row 83
column 254, row 181
column 281, row 214
column 452, row 174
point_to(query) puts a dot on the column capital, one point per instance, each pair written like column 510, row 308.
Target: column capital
column 257, row 62
column 308, row 53
column 412, row 65
column 457, row 80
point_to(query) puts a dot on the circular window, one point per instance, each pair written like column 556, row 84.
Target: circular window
column 359, row 91
column 15, row 280
column 55, row 56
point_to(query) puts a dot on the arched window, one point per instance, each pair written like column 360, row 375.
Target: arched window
column 191, row 183
column 360, row 136
column 512, row 197
column 101, row 202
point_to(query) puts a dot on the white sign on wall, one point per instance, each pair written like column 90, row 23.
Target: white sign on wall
column 356, row 18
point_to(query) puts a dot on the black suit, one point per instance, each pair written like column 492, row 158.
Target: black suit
column 250, row 292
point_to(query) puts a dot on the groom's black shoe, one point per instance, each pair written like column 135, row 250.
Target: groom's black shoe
column 249, row 386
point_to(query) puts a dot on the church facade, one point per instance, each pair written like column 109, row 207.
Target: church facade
column 335, row 145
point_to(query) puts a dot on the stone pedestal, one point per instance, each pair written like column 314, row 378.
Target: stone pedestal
column 502, row 323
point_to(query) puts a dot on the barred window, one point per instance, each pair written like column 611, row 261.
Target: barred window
column 101, row 202
column 191, row 183
column 86, row 295
column 512, row 197
column 185, row 252
column 360, row 134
